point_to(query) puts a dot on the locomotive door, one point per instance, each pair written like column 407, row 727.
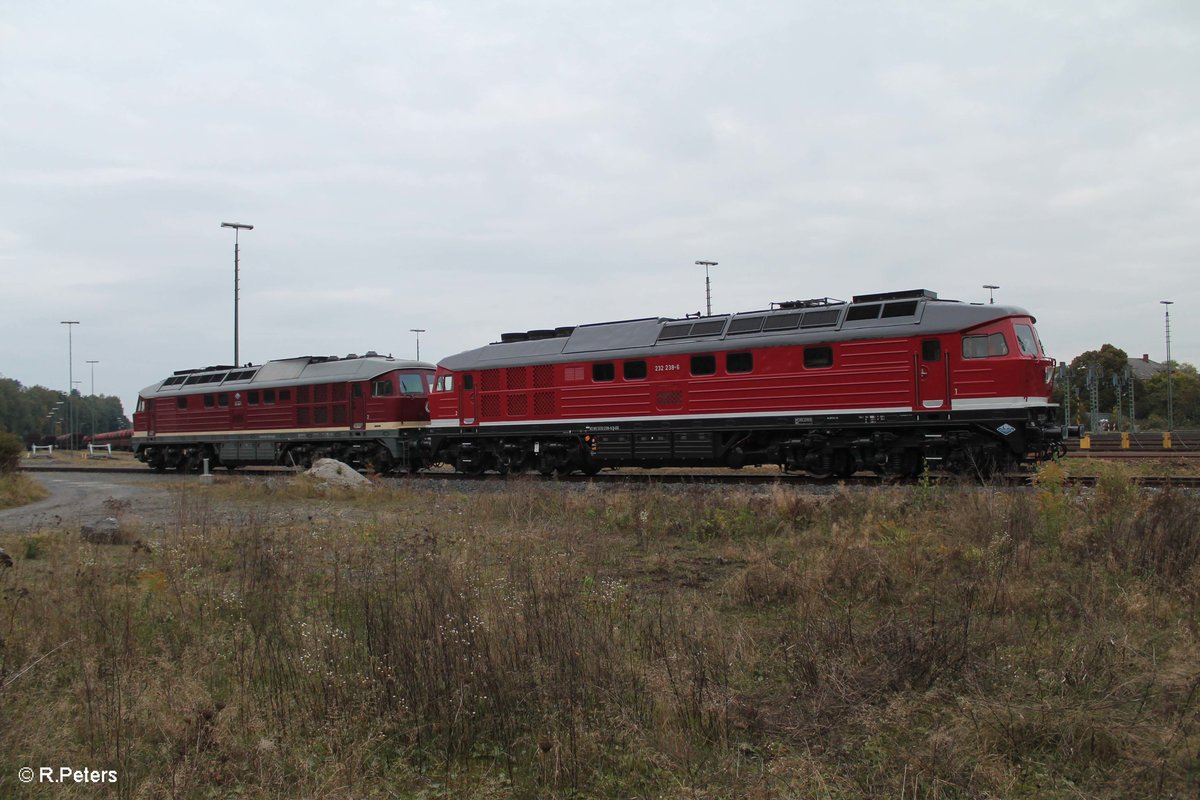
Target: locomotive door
column 358, row 407
column 468, row 401
column 933, row 376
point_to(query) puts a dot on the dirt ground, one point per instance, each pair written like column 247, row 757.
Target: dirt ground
column 82, row 498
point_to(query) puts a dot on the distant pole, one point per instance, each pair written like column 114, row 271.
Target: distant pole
column 991, row 292
column 707, row 285
column 70, row 378
column 237, row 228
column 418, row 332
column 1170, row 405
column 92, row 402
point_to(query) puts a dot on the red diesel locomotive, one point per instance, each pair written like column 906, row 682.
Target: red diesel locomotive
column 361, row 410
column 889, row 382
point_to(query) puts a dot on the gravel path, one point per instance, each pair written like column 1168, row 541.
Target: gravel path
column 81, row 498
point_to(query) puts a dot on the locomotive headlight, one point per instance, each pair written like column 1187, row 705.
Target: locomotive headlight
column 1049, row 375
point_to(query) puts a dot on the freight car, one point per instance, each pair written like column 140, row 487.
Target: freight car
column 118, row 440
column 890, row 382
column 358, row 409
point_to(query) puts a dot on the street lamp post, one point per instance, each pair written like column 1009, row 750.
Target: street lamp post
column 418, row 332
column 707, row 284
column 237, row 228
column 1167, row 324
column 92, row 401
column 70, row 323
column 991, row 292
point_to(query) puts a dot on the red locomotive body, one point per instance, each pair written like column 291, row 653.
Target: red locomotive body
column 357, row 409
column 888, row 382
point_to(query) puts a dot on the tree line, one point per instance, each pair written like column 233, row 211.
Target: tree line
column 1118, row 390
column 35, row 412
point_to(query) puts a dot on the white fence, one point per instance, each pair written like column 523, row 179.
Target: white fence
column 36, row 449
column 99, row 451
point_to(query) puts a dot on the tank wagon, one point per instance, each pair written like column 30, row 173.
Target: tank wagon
column 888, row 382
column 359, row 409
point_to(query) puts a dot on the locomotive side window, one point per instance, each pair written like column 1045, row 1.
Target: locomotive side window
column 445, row 383
column 208, row 401
column 739, row 362
column 603, row 372
column 931, row 350
column 356, row 390
column 268, row 396
column 1026, row 343
column 285, row 395
column 252, row 397
column 704, row 365
column 818, row 357
column 223, row 400
column 633, row 370
column 468, row 382
column 180, row 402
column 985, row 346
column 384, row 388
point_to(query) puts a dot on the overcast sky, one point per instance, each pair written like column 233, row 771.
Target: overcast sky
column 478, row 167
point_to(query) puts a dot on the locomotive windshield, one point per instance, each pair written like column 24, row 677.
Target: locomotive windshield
column 1026, row 340
column 412, row 384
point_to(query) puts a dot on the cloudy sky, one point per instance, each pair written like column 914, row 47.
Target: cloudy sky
column 476, row 167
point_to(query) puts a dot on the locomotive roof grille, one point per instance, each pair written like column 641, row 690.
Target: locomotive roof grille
column 782, row 322
column 917, row 294
column 690, row 330
column 745, row 325
column 815, row 302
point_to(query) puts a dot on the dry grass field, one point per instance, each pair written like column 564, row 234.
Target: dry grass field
column 281, row 640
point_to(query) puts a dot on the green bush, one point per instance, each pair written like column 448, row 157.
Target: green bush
column 10, row 452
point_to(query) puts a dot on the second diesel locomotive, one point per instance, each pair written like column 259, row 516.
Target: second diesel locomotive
column 891, row 382
column 363, row 410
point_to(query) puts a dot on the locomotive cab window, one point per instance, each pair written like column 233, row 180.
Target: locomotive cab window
column 982, row 346
column 739, row 362
column 818, row 357
column 1026, row 342
column 704, row 365
column 633, row 370
column 383, row 388
column 931, row 350
column 445, row 383
column 411, row 384
column 603, row 372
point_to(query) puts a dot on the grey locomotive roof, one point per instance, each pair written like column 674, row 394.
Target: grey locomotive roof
column 646, row 337
column 284, row 372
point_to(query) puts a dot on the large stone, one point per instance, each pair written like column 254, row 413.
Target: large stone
column 105, row 531
column 336, row 473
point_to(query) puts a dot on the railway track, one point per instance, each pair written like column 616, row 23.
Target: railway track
column 659, row 478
